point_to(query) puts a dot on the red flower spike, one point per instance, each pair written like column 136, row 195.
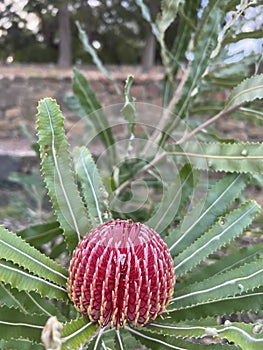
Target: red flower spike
column 121, row 271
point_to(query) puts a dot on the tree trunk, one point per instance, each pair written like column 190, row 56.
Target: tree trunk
column 64, row 54
column 148, row 55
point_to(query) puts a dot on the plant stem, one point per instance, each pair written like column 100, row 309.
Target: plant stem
column 185, row 138
column 156, row 136
column 204, row 125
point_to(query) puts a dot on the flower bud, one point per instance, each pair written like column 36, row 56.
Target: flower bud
column 121, row 271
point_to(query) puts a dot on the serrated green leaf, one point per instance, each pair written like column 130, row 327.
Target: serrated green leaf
column 120, row 343
column 171, row 200
column 199, row 219
column 247, row 336
column 231, row 283
column 95, row 194
column 247, row 91
column 21, row 344
column 160, row 342
column 241, row 157
column 13, row 248
column 57, row 170
column 241, row 334
column 223, row 232
column 77, row 332
column 40, row 234
column 28, row 303
column 57, row 250
column 233, row 260
column 15, row 324
column 250, row 302
column 21, row 279
column 166, row 327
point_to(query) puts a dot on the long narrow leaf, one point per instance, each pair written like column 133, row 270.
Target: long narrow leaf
column 15, row 325
column 247, row 336
column 95, row 194
column 57, row 170
column 88, row 48
column 243, row 335
column 226, row 229
column 15, row 249
column 198, row 220
column 77, row 332
column 28, row 303
column 250, row 302
column 94, row 112
column 229, row 284
column 161, row 342
column 247, row 91
column 24, row 281
column 241, row 157
column 171, row 200
column 40, row 234
column 181, row 43
column 234, row 260
column 21, row 344
column 167, row 15
column 129, row 109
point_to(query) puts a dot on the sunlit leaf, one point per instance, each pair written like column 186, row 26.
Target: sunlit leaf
column 247, row 91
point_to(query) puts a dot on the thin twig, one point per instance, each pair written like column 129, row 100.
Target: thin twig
column 156, row 136
column 144, row 169
column 208, row 122
column 185, row 138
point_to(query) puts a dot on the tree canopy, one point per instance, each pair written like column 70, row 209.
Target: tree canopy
column 32, row 30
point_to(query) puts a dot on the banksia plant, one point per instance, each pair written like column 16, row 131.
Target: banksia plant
column 121, row 271
column 102, row 274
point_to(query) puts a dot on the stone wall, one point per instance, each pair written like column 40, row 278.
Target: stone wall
column 21, row 87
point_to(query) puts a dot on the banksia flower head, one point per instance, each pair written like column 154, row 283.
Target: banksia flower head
column 121, row 271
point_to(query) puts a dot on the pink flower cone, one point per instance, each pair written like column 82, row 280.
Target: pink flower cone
column 121, row 271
